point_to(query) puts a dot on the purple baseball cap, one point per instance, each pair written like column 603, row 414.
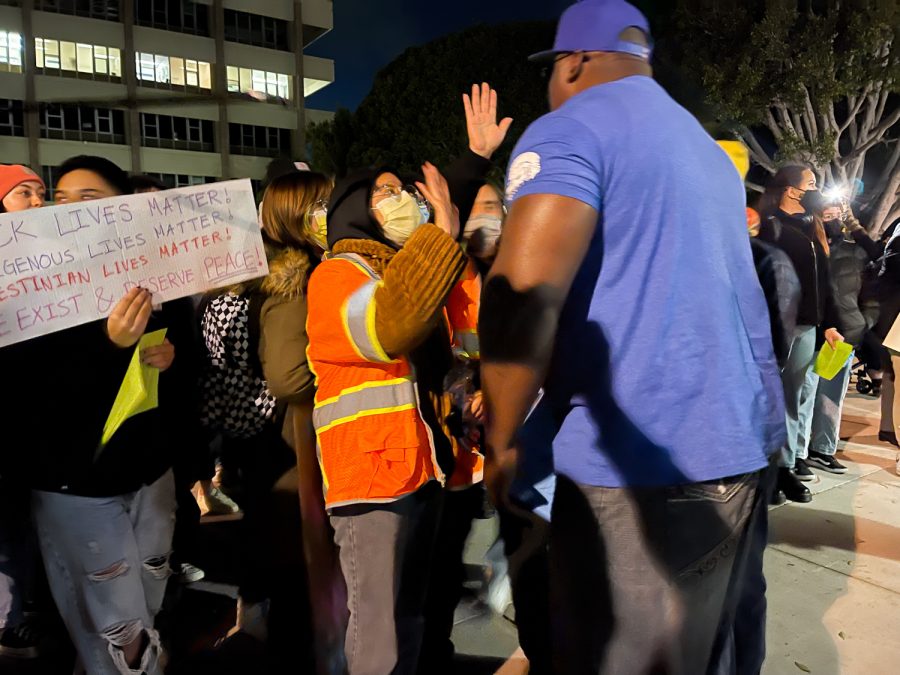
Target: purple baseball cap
column 595, row 26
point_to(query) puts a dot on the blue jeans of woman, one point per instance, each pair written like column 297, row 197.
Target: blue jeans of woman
column 800, row 382
column 107, row 561
column 826, row 422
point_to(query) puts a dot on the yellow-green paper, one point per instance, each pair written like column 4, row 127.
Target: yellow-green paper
column 830, row 361
column 140, row 388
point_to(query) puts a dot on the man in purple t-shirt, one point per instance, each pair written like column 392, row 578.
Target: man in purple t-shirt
column 625, row 285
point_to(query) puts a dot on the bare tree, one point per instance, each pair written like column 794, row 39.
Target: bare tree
column 811, row 81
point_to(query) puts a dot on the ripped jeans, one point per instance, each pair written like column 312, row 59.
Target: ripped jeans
column 107, row 561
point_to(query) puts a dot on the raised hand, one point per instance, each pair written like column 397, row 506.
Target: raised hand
column 437, row 192
column 485, row 135
column 128, row 319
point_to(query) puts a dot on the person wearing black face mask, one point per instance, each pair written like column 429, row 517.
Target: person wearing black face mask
column 789, row 211
column 851, row 252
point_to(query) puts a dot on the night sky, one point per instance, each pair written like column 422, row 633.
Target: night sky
column 369, row 34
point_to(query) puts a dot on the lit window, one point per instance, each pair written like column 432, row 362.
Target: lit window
column 51, row 53
column 173, row 70
column 259, row 80
column 191, row 77
column 10, row 52
column 68, row 56
column 176, row 67
column 161, row 69
column 205, row 76
column 78, row 57
column 101, row 60
column 84, row 58
column 145, row 69
column 248, row 79
column 231, row 75
column 115, row 62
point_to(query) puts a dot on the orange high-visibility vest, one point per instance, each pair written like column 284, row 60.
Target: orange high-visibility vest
column 462, row 315
column 372, row 442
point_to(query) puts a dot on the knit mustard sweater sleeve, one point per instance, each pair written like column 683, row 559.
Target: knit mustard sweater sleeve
column 416, row 284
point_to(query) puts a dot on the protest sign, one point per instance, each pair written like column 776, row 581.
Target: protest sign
column 65, row 265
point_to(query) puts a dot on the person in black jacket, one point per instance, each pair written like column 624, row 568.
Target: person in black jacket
column 104, row 521
column 787, row 210
column 851, row 252
column 889, row 297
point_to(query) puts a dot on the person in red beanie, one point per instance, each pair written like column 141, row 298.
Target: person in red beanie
column 20, row 188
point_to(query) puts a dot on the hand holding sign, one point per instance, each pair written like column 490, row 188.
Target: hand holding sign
column 128, row 319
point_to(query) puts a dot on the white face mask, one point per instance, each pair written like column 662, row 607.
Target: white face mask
column 402, row 216
column 482, row 234
column 317, row 228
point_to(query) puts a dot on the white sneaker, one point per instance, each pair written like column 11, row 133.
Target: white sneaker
column 188, row 574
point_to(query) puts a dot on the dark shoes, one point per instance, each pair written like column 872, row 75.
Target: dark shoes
column 802, row 471
column 19, row 642
column 825, row 463
column 791, row 486
column 888, row 437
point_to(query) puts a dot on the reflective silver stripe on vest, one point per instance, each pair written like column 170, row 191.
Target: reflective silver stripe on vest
column 468, row 343
column 359, row 261
column 360, row 321
column 387, row 398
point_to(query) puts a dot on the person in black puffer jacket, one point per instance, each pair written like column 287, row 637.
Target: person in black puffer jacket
column 787, row 210
column 851, row 251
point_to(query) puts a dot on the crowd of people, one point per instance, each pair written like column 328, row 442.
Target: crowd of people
column 598, row 353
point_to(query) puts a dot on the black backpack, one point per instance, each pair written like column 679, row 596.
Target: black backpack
column 236, row 398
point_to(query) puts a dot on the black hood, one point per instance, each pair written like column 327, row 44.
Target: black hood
column 349, row 215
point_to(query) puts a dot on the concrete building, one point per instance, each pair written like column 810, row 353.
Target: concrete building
column 189, row 91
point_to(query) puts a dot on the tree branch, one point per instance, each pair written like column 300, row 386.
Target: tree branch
column 855, row 105
column 786, row 119
column 888, row 206
column 875, row 137
column 773, row 125
column 759, row 155
column 882, row 103
column 854, row 131
column 810, row 115
column 798, row 125
column 869, row 121
column 756, row 187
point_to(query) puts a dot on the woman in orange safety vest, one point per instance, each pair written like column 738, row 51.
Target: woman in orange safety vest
column 380, row 349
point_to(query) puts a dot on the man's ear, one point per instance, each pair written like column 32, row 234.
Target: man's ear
column 574, row 67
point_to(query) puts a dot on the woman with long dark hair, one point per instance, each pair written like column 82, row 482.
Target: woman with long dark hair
column 789, row 211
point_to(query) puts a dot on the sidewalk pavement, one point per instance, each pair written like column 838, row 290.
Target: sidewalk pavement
column 833, row 568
